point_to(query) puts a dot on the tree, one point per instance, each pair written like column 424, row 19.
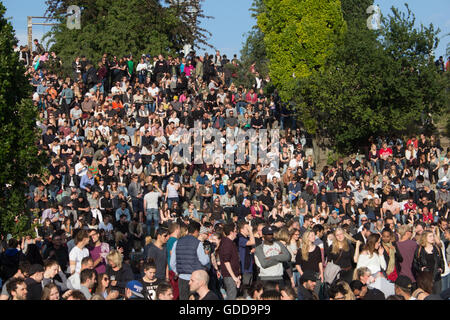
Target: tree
column 299, row 35
column 377, row 82
column 19, row 154
column 124, row 27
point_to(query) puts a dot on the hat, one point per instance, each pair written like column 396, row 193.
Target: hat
column 136, row 288
column 35, row 268
column 403, row 282
column 308, row 275
column 426, row 184
column 204, row 230
column 267, row 231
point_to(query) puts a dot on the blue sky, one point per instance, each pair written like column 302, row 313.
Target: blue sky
column 232, row 19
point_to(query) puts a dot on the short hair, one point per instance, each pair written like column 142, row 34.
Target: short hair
column 82, row 234
column 356, row 285
column 86, row 260
column 13, row 284
column 193, row 226
column 202, row 276
column 86, row 274
column 49, row 263
column 318, row 228
column 162, row 288
column 173, row 227
column 228, row 228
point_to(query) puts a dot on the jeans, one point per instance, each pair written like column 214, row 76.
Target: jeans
column 152, row 214
column 301, row 219
column 230, row 287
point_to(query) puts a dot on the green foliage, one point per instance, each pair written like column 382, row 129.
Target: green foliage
column 299, row 35
column 19, row 155
column 375, row 83
column 122, row 27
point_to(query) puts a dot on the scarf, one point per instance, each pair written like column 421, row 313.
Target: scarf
column 391, row 265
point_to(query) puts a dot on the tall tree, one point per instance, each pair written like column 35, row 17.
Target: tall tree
column 254, row 49
column 299, row 35
column 122, row 27
column 377, row 82
column 19, row 155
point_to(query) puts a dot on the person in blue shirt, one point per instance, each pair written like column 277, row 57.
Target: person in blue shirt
column 123, row 210
column 87, row 182
column 202, row 178
column 218, row 188
column 122, row 147
column 190, row 257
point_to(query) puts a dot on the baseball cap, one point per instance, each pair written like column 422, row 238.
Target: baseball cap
column 267, row 231
column 136, row 288
column 35, row 268
column 403, row 282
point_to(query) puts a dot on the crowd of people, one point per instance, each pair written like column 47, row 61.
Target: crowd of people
column 116, row 217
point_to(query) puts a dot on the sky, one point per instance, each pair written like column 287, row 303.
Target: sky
column 232, row 19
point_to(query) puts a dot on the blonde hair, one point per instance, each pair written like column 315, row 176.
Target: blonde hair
column 97, row 297
column 403, row 229
column 282, row 235
column 335, row 244
column 305, row 245
column 148, row 240
column 115, row 257
column 423, row 238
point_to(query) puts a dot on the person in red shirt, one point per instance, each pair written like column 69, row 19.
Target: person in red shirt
column 251, row 97
column 410, row 211
column 384, row 153
column 414, row 142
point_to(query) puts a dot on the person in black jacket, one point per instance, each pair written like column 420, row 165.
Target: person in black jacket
column 119, row 273
column 71, row 179
column 428, row 257
column 307, row 284
column 34, row 286
column 10, row 259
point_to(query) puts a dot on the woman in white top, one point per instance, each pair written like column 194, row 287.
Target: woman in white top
column 371, row 255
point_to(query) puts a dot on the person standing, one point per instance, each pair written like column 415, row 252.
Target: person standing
column 246, row 243
column 157, row 252
column 174, row 234
column 407, row 248
column 79, row 251
column 309, row 258
column 428, row 257
column 151, row 207
column 269, row 257
column 188, row 255
column 34, row 286
column 229, row 262
column 98, row 251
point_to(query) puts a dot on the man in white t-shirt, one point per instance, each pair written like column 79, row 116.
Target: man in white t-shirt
column 153, row 90
column 151, row 206
column 79, row 251
column 81, row 167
